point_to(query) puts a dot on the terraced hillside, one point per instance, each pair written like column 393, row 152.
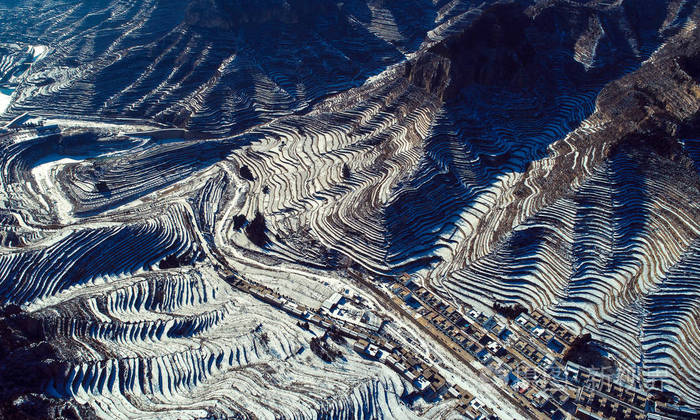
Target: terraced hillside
column 543, row 153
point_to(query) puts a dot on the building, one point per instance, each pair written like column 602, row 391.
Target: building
column 333, row 301
column 366, row 348
column 360, row 345
column 421, row 384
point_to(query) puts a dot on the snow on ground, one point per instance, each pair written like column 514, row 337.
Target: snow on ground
column 38, row 52
column 248, row 357
column 116, row 128
column 43, row 174
column 479, row 385
column 5, row 99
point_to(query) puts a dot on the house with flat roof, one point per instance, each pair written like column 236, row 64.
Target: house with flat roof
column 333, row 301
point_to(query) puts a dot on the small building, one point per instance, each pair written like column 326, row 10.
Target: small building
column 494, row 346
column 360, row 345
column 483, row 355
column 452, row 392
column 521, row 386
column 372, row 351
column 391, row 361
column 540, row 399
column 366, row 348
column 490, row 323
column 438, row 383
column 555, row 346
column 333, row 301
column 538, row 331
column 505, row 334
column 572, row 371
column 371, row 320
column 482, row 319
column 271, row 299
column 409, row 376
column 421, row 383
column 476, row 409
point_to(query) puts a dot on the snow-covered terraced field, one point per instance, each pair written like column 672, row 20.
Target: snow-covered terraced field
column 15, row 60
column 526, row 152
column 182, row 340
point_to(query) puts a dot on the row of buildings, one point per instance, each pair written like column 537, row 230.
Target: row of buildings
column 425, row 379
column 473, row 337
column 528, row 355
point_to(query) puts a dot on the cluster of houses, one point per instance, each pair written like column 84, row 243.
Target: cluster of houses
column 426, row 380
column 423, row 377
column 665, row 410
column 348, row 308
column 520, row 353
column 286, row 304
column 431, row 384
column 596, row 394
column 268, row 295
column 599, row 395
column 526, row 354
column 553, row 335
column 597, row 405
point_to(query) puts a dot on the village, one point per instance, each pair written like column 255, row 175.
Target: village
column 524, row 355
column 428, row 383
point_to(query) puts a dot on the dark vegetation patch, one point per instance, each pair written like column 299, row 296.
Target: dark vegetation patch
column 238, row 221
column 245, row 173
column 321, row 348
column 509, row 311
column 28, row 361
column 585, row 352
column 102, row 187
column 10, row 239
column 173, row 261
column 255, row 231
column 45, row 82
column 335, row 335
column 691, row 65
column 494, row 50
column 662, row 396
